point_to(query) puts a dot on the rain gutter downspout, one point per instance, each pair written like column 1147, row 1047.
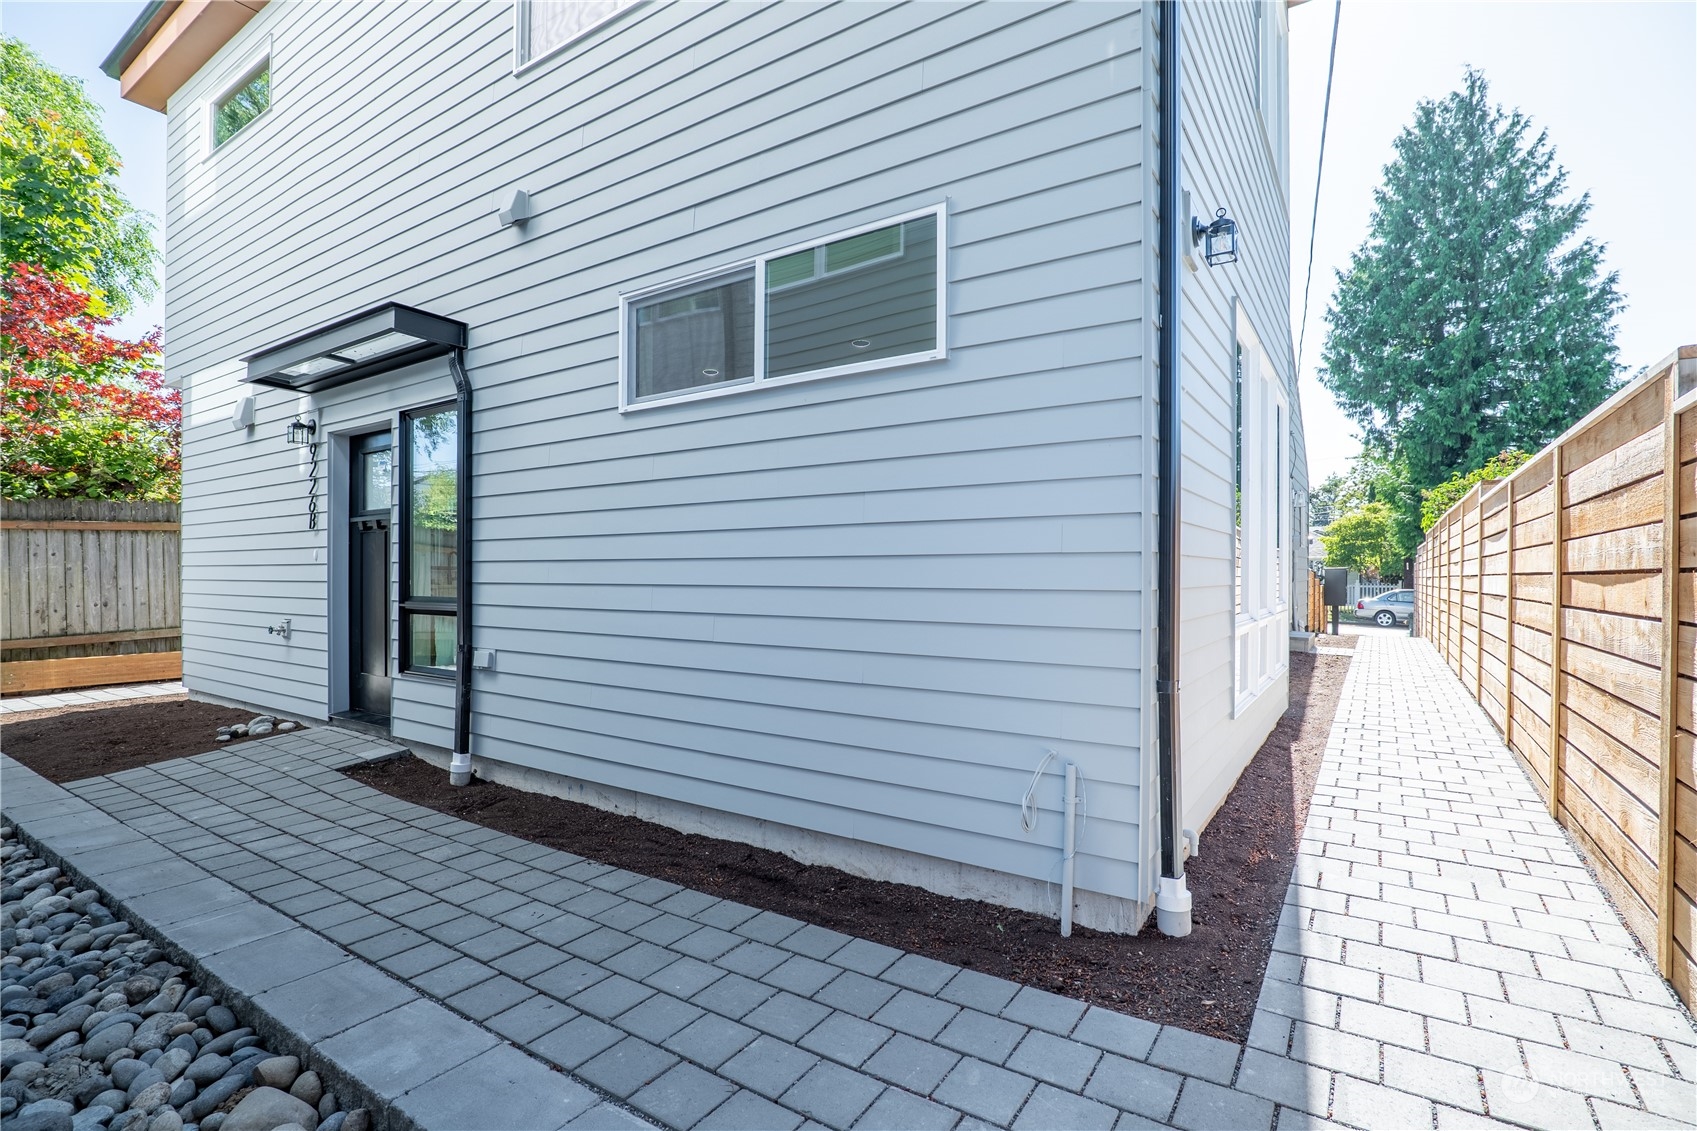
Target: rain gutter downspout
column 1172, row 898
column 459, row 766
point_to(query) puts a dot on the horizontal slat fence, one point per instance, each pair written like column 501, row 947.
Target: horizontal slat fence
column 92, row 593
column 1565, row 599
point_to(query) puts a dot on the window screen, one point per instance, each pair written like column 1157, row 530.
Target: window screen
column 547, row 24
column 693, row 337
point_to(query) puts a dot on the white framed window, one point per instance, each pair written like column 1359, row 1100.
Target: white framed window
column 867, row 298
column 1272, row 77
column 240, row 101
column 542, row 27
column 1260, row 488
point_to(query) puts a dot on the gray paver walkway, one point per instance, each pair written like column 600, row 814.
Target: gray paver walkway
column 1444, row 958
column 88, row 696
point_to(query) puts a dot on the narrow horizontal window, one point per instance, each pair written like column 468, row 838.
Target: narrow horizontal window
column 248, row 100
column 865, row 299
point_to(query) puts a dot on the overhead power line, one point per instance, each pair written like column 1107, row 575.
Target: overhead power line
column 1319, row 170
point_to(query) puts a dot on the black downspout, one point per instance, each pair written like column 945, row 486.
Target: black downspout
column 1172, row 905
column 459, row 768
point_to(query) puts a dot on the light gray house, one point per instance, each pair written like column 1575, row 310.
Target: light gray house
column 747, row 415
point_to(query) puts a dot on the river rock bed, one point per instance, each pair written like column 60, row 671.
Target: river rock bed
column 98, row 1029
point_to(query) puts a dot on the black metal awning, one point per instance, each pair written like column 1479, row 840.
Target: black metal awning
column 374, row 341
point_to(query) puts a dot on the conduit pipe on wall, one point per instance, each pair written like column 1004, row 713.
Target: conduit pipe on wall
column 1071, row 802
column 459, row 765
column 1172, row 897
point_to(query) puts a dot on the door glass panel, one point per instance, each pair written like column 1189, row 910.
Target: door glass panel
column 375, row 480
column 432, row 519
column 430, row 642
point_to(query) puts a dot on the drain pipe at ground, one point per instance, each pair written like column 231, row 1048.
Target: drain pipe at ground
column 459, row 764
column 1172, row 897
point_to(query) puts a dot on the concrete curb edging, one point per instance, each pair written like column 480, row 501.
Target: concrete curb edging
column 303, row 994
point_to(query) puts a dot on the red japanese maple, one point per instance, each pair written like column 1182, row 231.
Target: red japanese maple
column 83, row 414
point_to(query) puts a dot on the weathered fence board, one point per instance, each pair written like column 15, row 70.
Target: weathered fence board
column 89, row 580
column 1565, row 599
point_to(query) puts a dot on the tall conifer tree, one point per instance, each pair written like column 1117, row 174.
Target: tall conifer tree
column 1474, row 318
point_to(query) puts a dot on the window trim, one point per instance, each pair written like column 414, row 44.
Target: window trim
column 629, row 299
column 405, row 602
column 252, row 63
column 521, row 34
column 1263, row 600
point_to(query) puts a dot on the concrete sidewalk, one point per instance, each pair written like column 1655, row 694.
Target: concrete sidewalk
column 1444, row 959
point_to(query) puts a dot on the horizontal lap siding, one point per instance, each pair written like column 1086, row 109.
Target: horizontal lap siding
column 1224, row 162
column 864, row 606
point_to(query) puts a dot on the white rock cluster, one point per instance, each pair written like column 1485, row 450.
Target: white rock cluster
column 99, row 1032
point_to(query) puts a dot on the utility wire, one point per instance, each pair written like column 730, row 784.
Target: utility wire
column 1319, row 169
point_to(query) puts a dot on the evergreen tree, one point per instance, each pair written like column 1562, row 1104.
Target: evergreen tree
column 1474, row 318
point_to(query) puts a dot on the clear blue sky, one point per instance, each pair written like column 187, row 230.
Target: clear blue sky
column 1611, row 82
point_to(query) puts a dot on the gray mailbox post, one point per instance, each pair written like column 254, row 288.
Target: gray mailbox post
column 1337, row 592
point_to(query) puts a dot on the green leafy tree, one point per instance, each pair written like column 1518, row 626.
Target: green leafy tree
column 60, row 206
column 1363, row 540
column 1446, row 494
column 1376, row 476
column 1474, row 317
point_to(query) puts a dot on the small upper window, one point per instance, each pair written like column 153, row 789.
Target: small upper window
column 547, row 25
column 247, row 100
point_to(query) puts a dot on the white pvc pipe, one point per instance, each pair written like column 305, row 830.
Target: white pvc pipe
column 1066, row 861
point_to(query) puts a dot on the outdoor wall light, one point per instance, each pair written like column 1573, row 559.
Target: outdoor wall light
column 1218, row 239
column 301, row 432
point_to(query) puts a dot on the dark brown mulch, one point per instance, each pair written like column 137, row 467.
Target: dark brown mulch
column 71, row 743
column 1335, row 641
column 1207, row 982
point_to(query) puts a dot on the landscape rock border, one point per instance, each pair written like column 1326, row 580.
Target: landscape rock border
column 223, row 1005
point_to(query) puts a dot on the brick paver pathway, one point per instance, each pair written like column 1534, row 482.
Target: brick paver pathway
column 1444, row 960
column 1444, row 953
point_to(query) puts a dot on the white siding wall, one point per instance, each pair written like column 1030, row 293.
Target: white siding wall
column 864, row 606
column 1227, row 162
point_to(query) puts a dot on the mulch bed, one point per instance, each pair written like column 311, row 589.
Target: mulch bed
column 71, row 743
column 1335, row 641
column 1207, row 982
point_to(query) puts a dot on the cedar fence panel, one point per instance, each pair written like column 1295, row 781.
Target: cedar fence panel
column 92, row 593
column 1565, row 600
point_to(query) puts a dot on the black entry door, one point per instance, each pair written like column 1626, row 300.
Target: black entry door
column 368, row 576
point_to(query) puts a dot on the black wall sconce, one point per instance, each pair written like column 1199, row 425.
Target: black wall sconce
column 303, row 434
column 1218, row 239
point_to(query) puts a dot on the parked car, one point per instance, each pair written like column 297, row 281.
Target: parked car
column 1387, row 609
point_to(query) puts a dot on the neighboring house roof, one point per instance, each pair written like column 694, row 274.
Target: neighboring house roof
column 169, row 41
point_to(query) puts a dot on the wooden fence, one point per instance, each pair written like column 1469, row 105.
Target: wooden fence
column 1565, row 598
column 92, row 593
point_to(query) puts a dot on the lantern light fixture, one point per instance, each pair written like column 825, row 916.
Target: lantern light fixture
column 1218, row 239
column 301, row 432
